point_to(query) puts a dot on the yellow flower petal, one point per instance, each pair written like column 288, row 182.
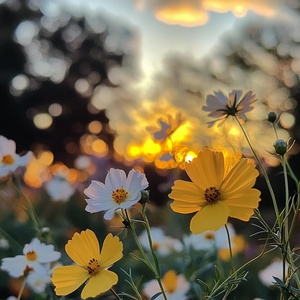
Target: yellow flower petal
column 242, row 175
column 184, row 207
column 241, row 213
column 246, row 198
column 210, row 217
column 68, row 278
column 187, row 197
column 83, row 247
column 111, row 251
column 188, row 192
column 99, row 284
column 207, row 169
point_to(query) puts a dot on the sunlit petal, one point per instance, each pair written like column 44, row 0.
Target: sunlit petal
column 83, row 247
column 210, row 217
column 111, row 251
column 67, row 279
column 99, row 284
column 207, row 169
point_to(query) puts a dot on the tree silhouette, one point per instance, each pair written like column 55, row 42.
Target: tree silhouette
column 60, row 52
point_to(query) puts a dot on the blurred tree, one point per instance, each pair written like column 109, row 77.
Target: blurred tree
column 50, row 64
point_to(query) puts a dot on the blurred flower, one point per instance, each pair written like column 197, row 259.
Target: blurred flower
column 216, row 191
column 162, row 244
column 216, row 240
column 9, row 160
column 221, row 107
column 91, row 265
column 36, row 254
column 175, row 285
column 273, row 270
column 4, row 244
column 166, row 127
column 38, row 281
column 59, row 188
column 117, row 192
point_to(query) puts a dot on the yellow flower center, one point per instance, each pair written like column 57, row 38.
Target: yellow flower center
column 209, row 236
column 8, row 159
column 93, row 267
column 212, row 195
column 119, row 195
column 31, row 255
column 170, row 281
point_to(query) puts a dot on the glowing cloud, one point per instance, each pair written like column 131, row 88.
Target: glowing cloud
column 196, row 12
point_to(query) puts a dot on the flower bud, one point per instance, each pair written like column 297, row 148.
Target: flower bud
column 144, row 197
column 271, row 117
column 280, row 147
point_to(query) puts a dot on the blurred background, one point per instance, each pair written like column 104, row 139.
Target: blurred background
column 82, row 80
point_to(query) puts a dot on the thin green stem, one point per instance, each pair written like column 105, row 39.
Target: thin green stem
column 29, row 208
column 21, row 289
column 230, row 249
column 219, row 287
column 276, row 134
column 115, row 294
column 148, row 262
column 262, row 169
column 286, row 219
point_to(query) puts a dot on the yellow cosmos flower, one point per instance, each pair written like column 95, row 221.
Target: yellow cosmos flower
column 216, row 191
column 91, row 266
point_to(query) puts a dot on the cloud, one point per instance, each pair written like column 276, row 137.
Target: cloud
column 196, row 12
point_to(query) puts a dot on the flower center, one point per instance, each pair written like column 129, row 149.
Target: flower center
column 119, row 195
column 212, row 195
column 8, row 159
column 209, row 236
column 170, row 281
column 31, row 255
column 93, row 267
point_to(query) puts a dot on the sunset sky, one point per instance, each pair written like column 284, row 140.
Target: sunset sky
column 165, row 45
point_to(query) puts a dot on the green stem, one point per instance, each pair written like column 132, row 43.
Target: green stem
column 21, row 289
column 286, row 219
column 115, row 294
column 262, row 169
column 149, row 264
column 29, row 208
column 230, row 249
column 219, row 287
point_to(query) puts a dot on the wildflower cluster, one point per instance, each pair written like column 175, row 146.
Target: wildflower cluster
column 192, row 250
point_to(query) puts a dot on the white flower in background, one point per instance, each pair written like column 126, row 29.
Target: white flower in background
column 210, row 238
column 274, row 269
column 162, row 244
column 11, row 298
column 176, row 287
column 9, row 159
column 4, row 244
column 59, row 188
column 216, row 240
column 118, row 192
column 35, row 255
column 38, row 281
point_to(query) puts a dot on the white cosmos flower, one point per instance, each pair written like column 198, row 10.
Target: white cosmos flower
column 38, row 281
column 35, row 255
column 59, row 188
column 176, row 287
column 161, row 243
column 273, row 270
column 9, row 159
column 118, row 191
column 210, row 239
